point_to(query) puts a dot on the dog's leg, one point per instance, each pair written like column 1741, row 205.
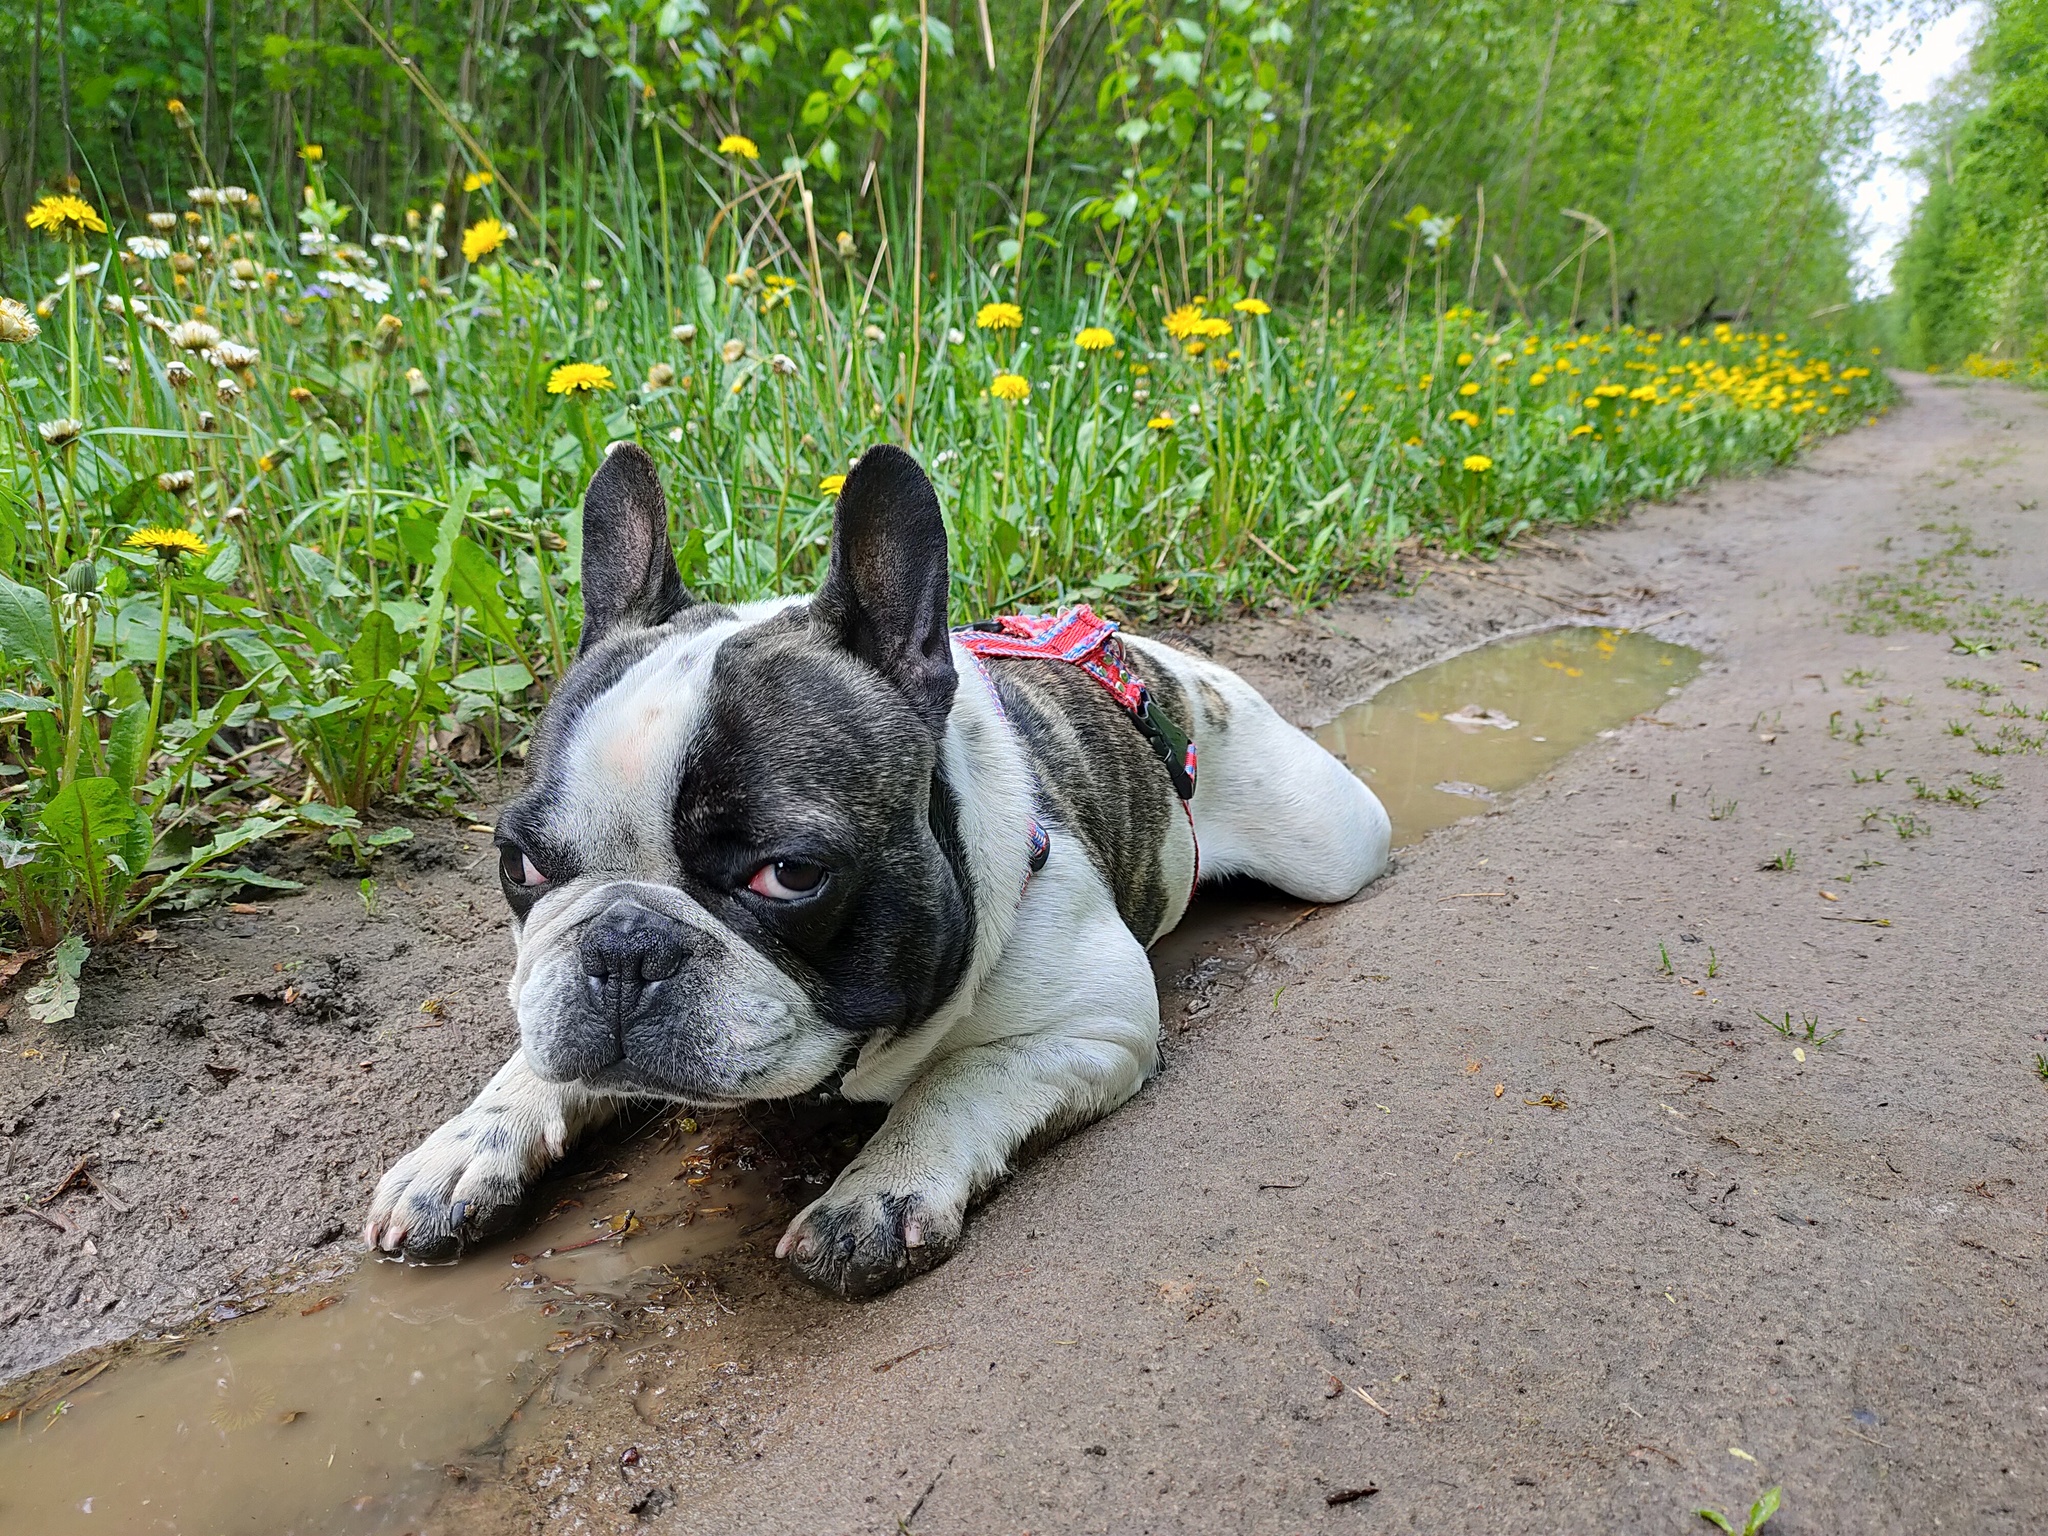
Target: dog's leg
column 1064, row 1031
column 467, row 1179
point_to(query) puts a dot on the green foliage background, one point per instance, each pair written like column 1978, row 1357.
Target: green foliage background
column 1972, row 277
column 1179, row 144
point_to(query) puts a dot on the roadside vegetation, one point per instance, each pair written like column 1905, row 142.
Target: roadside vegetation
column 289, row 470
column 1972, row 277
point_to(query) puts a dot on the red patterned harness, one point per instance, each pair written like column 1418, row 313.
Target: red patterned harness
column 1082, row 638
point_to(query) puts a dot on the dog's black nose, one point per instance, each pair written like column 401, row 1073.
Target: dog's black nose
column 626, row 948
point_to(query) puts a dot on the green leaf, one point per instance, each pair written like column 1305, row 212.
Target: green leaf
column 127, row 742
column 55, row 998
column 473, row 582
column 89, row 822
column 1762, row 1510
column 704, row 290
column 377, row 649
column 226, row 563
column 25, row 625
column 1717, row 1519
column 327, row 815
column 506, row 678
column 390, row 837
column 9, row 699
column 242, row 874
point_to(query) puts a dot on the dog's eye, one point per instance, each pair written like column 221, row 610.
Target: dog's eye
column 786, row 880
column 519, row 870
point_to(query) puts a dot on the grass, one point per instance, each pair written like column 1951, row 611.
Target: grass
column 289, row 510
column 1806, row 1031
column 1783, row 863
column 1759, row 1513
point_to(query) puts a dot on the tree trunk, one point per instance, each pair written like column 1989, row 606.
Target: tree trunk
column 35, row 110
column 209, row 122
column 1535, row 141
column 64, row 79
column 1298, row 172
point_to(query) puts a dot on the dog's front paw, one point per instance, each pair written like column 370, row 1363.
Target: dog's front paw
column 857, row 1243
column 462, row 1184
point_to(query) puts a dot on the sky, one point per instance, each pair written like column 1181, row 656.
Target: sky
column 1883, row 205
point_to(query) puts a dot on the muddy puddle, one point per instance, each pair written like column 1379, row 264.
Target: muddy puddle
column 1451, row 740
column 345, row 1407
column 348, row 1403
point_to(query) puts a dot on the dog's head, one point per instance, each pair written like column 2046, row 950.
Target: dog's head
column 733, row 860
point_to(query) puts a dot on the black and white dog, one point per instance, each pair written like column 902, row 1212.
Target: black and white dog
column 763, row 843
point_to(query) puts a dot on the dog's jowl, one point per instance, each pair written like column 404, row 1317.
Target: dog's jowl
column 760, row 845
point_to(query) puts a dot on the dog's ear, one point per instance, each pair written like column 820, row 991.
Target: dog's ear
column 629, row 569
column 884, row 594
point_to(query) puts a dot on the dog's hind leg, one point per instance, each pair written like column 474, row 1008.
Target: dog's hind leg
column 1064, row 1030
column 467, row 1179
column 1269, row 802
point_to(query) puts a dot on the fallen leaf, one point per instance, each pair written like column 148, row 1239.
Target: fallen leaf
column 1829, row 896
column 1499, row 1089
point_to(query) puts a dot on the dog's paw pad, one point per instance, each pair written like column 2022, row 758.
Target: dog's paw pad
column 858, row 1245
column 459, row 1186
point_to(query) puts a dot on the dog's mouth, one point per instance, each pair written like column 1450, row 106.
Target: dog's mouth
column 624, row 1077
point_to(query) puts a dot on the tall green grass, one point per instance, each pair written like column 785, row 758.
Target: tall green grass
column 386, row 491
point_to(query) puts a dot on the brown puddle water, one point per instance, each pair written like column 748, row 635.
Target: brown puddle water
column 1446, row 742
column 345, row 1410
column 344, row 1407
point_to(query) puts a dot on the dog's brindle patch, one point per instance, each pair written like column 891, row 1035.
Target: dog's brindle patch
column 803, row 752
column 1099, row 776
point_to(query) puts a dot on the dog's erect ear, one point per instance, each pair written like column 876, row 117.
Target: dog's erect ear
column 629, row 570
column 884, row 595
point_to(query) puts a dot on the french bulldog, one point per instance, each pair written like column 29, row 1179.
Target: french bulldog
column 761, row 844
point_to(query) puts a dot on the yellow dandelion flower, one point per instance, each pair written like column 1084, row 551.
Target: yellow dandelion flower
column 482, row 238
column 1184, row 322
column 1163, row 422
column 312, row 154
column 1581, row 429
column 1252, row 307
column 740, row 145
column 167, row 544
column 1464, row 358
column 1009, row 387
column 175, row 107
column 999, row 317
column 1214, row 326
column 1197, row 347
column 579, row 379
column 1506, row 410
column 476, row 181
column 66, row 217
column 1468, row 390
column 1478, row 463
column 832, row 485
column 1095, row 338
column 1466, row 417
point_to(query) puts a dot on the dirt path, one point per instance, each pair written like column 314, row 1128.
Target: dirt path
column 1322, row 1252
column 1344, row 1243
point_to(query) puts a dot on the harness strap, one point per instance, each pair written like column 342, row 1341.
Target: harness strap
column 1082, row 638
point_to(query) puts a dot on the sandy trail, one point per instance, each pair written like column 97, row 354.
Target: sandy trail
column 1336, row 1246
column 1344, row 1241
